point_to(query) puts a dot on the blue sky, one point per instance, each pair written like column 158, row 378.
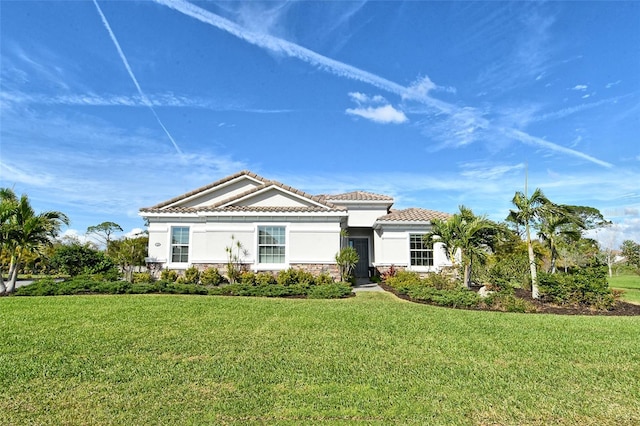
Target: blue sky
column 107, row 107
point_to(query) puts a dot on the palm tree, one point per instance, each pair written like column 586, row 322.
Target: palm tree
column 8, row 202
column 530, row 211
column 473, row 236
column 559, row 226
column 26, row 231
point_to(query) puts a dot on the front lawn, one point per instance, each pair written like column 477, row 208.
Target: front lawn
column 371, row 359
column 630, row 284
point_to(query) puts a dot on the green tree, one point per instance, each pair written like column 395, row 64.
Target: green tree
column 75, row 259
column 129, row 253
column 104, row 231
column 557, row 225
column 473, row 236
column 529, row 213
column 631, row 250
column 24, row 231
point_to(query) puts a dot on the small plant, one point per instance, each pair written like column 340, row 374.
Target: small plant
column 347, row 259
column 192, row 275
column 389, row 273
column 142, row 277
column 235, row 256
column 211, row 276
column 168, row 275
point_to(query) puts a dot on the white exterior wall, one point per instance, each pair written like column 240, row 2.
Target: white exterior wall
column 365, row 216
column 307, row 241
column 392, row 248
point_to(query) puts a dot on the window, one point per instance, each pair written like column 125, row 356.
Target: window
column 271, row 244
column 421, row 255
column 180, row 244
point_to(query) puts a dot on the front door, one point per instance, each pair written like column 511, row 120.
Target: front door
column 362, row 248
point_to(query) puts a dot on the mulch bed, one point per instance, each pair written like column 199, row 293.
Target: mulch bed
column 542, row 307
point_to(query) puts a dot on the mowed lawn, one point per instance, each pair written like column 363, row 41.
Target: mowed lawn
column 372, row 359
column 630, row 284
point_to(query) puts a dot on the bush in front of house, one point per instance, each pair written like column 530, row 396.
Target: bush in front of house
column 330, row 291
column 586, row 287
column 261, row 284
column 211, row 276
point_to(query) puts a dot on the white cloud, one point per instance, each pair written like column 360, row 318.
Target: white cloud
column 382, row 114
column 580, row 87
column 615, row 83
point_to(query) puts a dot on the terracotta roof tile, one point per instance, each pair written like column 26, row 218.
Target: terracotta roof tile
column 249, row 209
column 356, row 196
column 413, row 215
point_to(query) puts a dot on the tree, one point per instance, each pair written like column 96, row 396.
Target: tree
column 556, row 225
column 104, row 231
column 474, row 236
column 75, row 259
column 129, row 253
column 631, row 250
column 529, row 212
column 25, row 231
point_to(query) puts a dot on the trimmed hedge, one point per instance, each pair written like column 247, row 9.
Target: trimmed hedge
column 259, row 285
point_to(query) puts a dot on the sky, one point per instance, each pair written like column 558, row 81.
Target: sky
column 107, row 107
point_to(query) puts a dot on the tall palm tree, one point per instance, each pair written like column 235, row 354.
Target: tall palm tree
column 473, row 236
column 26, row 231
column 529, row 212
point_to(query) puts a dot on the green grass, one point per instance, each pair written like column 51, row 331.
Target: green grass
column 630, row 284
column 372, row 359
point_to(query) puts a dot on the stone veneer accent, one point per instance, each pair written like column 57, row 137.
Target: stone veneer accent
column 315, row 268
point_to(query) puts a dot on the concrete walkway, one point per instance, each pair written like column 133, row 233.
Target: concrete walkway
column 366, row 285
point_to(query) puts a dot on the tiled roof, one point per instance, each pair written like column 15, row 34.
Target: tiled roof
column 268, row 183
column 413, row 215
column 223, row 206
column 206, row 187
column 357, row 196
column 248, row 209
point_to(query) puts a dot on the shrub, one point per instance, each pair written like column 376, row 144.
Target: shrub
column 459, row 298
column 211, row 276
column 587, row 286
column 330, row 291
column 293, row 276
column 440, row 281
column 169, row 275
column 265, row 278
column 76, row 259
column 247, row 277
column 43, row 287
column 142, row 277
column 403, row 281
column 192, row 275
column 324, row 278
column 505, row 301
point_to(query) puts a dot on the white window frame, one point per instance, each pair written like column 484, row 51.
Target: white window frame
column 172, row 245
column 272, row 266
column 410, row 250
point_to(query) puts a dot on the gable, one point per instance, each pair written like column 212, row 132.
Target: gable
column 219, row 194
column 273, row 197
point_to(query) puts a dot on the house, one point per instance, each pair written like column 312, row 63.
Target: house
column 281, row 227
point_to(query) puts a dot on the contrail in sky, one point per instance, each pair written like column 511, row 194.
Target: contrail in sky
column 414, row 92
column 144, row 98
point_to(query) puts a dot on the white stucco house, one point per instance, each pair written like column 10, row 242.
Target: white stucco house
column 281, row 227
